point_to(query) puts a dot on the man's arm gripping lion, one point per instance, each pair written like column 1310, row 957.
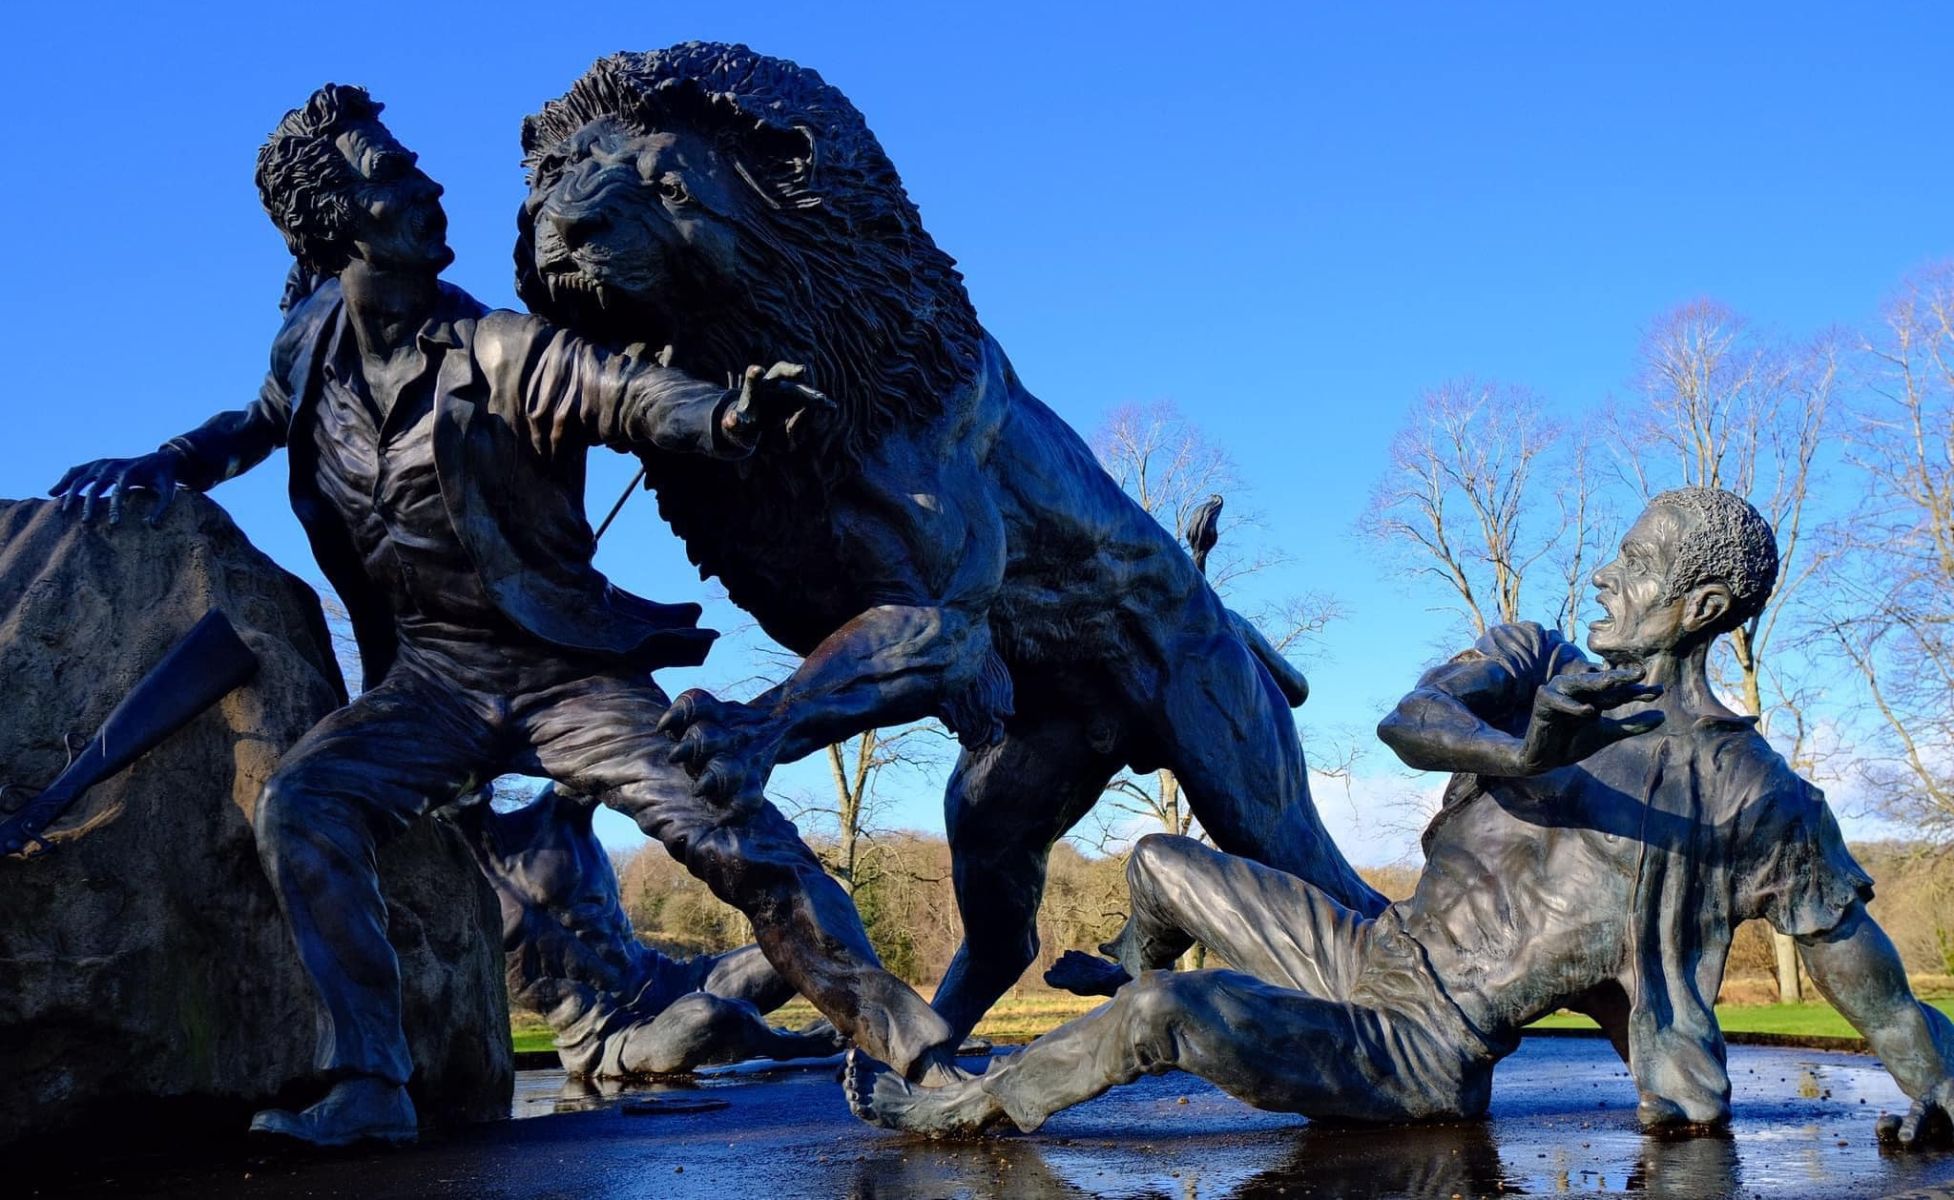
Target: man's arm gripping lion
column 921, row 648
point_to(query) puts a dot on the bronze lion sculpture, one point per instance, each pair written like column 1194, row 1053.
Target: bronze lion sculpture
column 939, row 543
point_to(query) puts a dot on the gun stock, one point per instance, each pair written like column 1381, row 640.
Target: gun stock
column 201, row 669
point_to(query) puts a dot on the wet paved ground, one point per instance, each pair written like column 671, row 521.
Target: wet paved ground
column 1563, row 1124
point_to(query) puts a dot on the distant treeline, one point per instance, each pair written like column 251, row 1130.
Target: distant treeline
column 911, row 916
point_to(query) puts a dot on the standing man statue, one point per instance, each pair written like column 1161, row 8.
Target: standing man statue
column 437, row 464
column 1604, row 832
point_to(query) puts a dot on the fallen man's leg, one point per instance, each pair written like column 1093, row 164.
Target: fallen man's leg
column 1275, row 1048
column 617, row 1007
column 1341, row 1018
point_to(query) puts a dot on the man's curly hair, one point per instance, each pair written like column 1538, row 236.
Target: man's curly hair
column 306, row 184
column 1728, row 542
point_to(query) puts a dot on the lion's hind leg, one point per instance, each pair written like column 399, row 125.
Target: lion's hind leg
column 1226, row 732
column 1005, row 806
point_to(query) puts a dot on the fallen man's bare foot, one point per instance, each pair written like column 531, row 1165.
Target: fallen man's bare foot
column 958, row 1107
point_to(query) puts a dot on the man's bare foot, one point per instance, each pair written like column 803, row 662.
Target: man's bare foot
column 1083, row 974
column 959, row 1108
column 941, row 1072
column 362, row 1109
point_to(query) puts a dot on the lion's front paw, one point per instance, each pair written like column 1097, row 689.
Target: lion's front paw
column 729, row 749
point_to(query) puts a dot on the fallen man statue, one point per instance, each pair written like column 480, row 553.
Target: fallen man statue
column 619, row 1008
column 1605, row 830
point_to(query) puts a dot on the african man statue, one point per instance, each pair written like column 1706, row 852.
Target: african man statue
column 619, row 1008
column 437, row 465
column 1605, row 830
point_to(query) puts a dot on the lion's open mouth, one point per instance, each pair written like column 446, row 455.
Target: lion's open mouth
column 588, row 303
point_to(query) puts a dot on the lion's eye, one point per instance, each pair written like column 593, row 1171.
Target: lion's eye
column 671, row 189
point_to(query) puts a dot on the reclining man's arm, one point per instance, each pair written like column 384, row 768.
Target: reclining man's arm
column 1436, row 727
column 1857, row 969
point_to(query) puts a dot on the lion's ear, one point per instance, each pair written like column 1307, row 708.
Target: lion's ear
column 532, row 136
column 777, row 161
column 808, row 161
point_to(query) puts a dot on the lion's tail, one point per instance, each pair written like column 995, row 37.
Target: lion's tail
column 1292, row 683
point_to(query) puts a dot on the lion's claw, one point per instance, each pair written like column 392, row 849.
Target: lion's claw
column 728, row 749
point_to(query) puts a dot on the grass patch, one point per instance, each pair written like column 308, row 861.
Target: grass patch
column 1019, row 1017
column 530, row 1032
column 1812, row 1019
column 1027, row 1013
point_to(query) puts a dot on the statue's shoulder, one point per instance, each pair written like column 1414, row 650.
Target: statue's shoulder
column 501, row 340
column 309, row 318
column 497, row 333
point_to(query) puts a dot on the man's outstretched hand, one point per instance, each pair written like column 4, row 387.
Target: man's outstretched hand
column 1570, row 718
column 116, row 478
column 771, row 398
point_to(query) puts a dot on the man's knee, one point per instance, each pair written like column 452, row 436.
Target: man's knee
column 288, row 810
column 694, row 1030
column 762, row 853
column 1158, row 859
column 1158, row 1000
column 308, row 812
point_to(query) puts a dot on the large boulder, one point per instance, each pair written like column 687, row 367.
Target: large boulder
column 148, row 983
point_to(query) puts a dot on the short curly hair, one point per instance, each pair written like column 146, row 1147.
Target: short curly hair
column 1727, row 542
column 306, row 184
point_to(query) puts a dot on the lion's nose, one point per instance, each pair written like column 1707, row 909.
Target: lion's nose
column 576, row 224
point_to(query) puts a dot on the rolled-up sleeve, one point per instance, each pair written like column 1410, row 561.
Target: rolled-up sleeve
column 574, row 391
column 1801, row 878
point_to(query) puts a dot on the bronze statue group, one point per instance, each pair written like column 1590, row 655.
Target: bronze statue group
column 880, row 491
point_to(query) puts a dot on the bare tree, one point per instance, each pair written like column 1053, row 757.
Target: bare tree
column 856, row 767
column 1892, row 606
column 1484, row 493
column 1170, row 468
column 1721, row 406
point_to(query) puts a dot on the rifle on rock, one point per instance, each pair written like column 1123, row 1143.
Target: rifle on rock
column 201, row 669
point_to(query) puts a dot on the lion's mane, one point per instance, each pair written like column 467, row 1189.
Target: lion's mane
column 841, row 274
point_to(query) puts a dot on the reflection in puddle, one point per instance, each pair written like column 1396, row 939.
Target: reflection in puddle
column 545, row 1093
column 1440, row 1161
column 1563, row 1123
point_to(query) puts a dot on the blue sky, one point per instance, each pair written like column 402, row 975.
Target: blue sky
column 1288, row 220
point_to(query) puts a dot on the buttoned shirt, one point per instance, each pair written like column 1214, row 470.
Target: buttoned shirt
column 377, row 469
column 516, row 403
